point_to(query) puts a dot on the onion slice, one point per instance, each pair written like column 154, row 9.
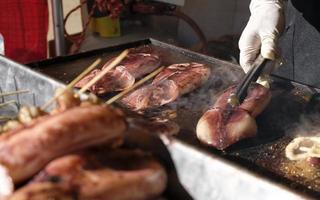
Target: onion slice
column 303, row 147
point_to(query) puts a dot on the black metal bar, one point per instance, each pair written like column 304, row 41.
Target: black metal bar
column 251, row 76
column 87, row 54
column 58, row 27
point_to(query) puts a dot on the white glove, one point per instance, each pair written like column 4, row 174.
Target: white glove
column 265, row 25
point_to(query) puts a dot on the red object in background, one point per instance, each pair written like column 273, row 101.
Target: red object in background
column 112, row 7
column 24, row 26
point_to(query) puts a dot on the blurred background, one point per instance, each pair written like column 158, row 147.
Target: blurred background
column 211, row 27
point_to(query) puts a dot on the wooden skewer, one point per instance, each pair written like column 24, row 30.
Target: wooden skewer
column 7, row 103
column 72, row 83
column 5, row 118
column 104, row 71
column 137, row 84
column 85, row 72
column 13, row 93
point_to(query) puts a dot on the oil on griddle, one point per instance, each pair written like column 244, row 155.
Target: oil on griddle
column 263, row 154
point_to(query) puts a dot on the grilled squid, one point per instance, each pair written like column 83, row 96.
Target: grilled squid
column 173, row 82
column 222, row 126
column 138, row 62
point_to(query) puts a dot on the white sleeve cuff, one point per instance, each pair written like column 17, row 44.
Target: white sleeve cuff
column 256, row 5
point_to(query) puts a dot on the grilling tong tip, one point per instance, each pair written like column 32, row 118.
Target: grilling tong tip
column 238, row 96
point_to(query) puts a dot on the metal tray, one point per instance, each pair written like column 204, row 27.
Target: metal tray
column 15, row 76
column 249, row 169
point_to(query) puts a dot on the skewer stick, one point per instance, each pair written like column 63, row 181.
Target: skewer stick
column 137, row 84
column 5, row 118
column 7, row 103
column 85, row 72
column 104, row 71
column 13, row 93
column 72, row 83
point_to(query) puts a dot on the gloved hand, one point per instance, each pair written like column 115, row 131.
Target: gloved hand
column 265, row 25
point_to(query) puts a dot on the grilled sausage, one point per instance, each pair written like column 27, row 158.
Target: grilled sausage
column 42, row 191
column 118, row 175
column 24, row 151
column 66, row 100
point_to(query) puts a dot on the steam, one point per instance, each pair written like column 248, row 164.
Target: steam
column 308, row 126
column 203, row 98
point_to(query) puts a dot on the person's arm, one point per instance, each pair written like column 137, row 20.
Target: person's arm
column 261, row 34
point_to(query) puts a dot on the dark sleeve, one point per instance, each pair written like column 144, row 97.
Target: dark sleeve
column 310, row 10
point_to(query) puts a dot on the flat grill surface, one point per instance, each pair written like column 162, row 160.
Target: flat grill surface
column 285, row 117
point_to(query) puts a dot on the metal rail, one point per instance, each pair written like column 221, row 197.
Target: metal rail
column 58, row 28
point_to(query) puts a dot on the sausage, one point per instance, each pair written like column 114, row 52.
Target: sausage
column 25, row 151
column 42, row 191
column 221, row 127
column 173, row 82
column 97, row 175
column 66, row 100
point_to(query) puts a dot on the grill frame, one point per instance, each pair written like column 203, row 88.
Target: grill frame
column 187, row 152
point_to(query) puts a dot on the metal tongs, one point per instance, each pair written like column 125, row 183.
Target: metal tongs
column 238, row 96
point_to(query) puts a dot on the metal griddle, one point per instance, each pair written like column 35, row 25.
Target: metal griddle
column 253, row 168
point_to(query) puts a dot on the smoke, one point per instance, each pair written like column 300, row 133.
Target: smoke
column 204, row 97
column 191, row 106
column 307, row 126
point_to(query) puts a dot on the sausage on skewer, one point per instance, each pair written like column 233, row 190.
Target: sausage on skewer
column 24, row 151
column 97, row 175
